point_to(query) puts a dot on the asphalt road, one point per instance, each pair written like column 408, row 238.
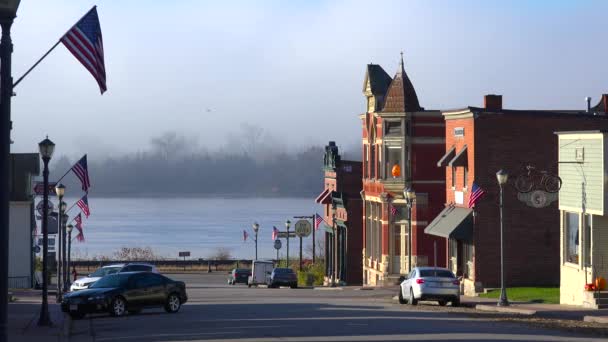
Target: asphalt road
column 217, row 311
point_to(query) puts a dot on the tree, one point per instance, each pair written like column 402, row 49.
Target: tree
column 222, row 253
column 135, row 254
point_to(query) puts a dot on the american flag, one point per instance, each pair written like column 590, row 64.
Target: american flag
column 476, row 194
column 245, row 235
column 318, row 220
column 80, row 236
column 275, row 233
column 85, row 43
column 81, row 171
column 83, row 204
column 394, row 211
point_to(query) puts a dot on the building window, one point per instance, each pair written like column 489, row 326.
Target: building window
column 393, row 157
column 464, row 177
column 571, row 237
column 467, row 252
column 372, row 161
column 368, row 230
column 392, row 127
column 453, row 177
column 587, row 242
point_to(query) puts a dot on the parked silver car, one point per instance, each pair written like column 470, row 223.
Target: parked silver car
column 430, row 283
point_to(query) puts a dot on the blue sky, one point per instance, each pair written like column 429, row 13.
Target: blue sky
column 293, row 67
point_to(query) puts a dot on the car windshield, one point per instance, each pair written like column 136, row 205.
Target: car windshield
column 436, row 273
column 242, row 270
column 283, row 270
column 104, row 271
column 111, row 281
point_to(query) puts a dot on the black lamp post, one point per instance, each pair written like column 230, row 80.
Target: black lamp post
column 502, row 176
column 410, row 197
column 64, row 260
column 287, row 225
column 8, row 12
column 256, row 228
column 60, row 190
column 69, row 230
column 46, row 151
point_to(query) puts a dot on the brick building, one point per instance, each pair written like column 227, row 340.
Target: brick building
column 479, row 142
column 341, row 202
column 399, row 134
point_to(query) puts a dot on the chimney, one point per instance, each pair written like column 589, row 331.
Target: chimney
column 588, row 99
column 603, row 105
column 492, row 103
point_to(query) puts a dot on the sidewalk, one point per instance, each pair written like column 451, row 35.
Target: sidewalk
column 23, row 317
column 555, row 311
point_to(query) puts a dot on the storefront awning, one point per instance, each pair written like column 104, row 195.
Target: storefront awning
column 460, row 159
column 452, row 223
column 443, row 162
column 324, row 197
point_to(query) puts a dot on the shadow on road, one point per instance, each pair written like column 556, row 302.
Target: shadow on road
column 303, row 321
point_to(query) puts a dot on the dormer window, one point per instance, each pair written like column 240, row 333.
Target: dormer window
column 392, row 127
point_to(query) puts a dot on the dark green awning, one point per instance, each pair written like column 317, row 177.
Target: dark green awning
column 443, row 162
column 460, row 159
column 452, row 223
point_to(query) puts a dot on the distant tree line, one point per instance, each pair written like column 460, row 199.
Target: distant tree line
column 251, row 163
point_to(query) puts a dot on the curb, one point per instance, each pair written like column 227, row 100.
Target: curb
column 505, row 309
column 329, row 288
column 596, row 319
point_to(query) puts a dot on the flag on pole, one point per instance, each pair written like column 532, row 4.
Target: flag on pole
column 275, row 233
column 78, row 219
column 476, row 193
column 85, row 42
column 318, row 220
column 394, row 211
column 81, row 171
column 83, row 204
column 245, row 235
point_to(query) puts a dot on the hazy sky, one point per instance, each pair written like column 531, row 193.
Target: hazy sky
column 293, row 67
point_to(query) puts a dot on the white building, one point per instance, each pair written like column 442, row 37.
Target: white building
column 21, row 215
column 583, row 205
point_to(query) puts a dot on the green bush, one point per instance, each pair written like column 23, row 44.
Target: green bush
column 316, row 271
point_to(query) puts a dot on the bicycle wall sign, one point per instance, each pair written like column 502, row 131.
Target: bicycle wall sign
column 538, row 189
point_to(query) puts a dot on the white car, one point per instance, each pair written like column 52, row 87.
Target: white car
column 84, row 283
column 430, row 283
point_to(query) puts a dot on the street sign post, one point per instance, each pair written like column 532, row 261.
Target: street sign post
column 277, row 246
column 283, row 235
column 184, row 255
column 303, row 228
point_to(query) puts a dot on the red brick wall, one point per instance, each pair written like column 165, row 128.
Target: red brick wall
column 531, row 235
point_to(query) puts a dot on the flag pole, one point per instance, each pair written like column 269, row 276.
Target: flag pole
column 65, row 174
column 51, row 49
column 71, row 208
column 36, row 64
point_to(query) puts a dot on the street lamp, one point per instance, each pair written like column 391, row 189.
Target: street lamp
column 64, row 260
column 46, row 148
column 502, row 176
column 69, row 230
column 8, row 11
column 287, row 225
column 60, row 191
column 410, row 196
column 256, row 228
